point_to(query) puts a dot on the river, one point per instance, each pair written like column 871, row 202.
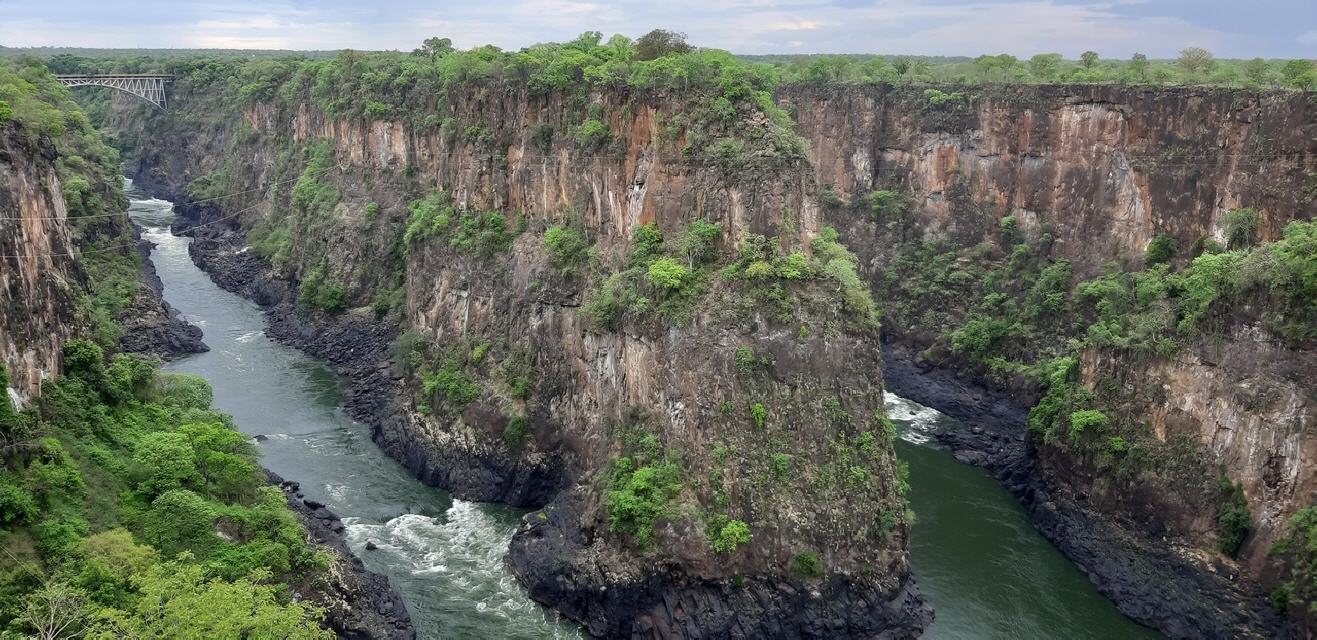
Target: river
column 987, row 573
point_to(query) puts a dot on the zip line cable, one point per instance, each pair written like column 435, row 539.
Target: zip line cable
column 124, row 246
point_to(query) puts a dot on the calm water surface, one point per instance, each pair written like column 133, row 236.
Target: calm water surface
column 985, row 570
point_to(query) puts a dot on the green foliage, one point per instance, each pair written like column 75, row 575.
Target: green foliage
column 1232, row 518
column 638, row 496
column 592, row 134
column 517, row 432
column 318, row 293
column 566, row 247
column 1087, row 420
column 313, row 194
column 1160, row 250
column 1241, row 227
column 807, row 564
column 181, row 520
column 727, row 534
column 665, row 273
column 17, row 506
column 123, row 451
column 481, row 234
column 451, row 386
column 166, row 462
column 758, row 414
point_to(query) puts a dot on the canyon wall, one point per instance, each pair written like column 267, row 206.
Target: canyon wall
column 1092, row 173
column 41, row 282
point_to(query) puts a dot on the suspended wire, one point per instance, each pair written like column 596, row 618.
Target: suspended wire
column 203, row 200
column 75, row 254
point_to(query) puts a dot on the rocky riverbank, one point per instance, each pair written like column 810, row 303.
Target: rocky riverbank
column 358, row 603
column 150, row 325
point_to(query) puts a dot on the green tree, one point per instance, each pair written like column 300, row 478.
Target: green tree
column 1138, row 67
column 1045, row 66
column 57, row 611
column 1241, row 227
column 1161, row 249
column 165, row 460
column 223, row 459
column 1088, row 60
column 665, row 273
column 435, row 47
column 181, row 521
column 1298, row 74
column 659, row 43
column 1257, row 72
column 178, row 601
column 1194, row 60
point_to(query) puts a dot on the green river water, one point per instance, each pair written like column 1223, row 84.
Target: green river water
column 987, row 573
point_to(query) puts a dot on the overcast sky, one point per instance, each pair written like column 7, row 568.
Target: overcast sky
column 1114, row 28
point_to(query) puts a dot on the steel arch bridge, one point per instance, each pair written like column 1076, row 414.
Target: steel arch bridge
column 148, row 87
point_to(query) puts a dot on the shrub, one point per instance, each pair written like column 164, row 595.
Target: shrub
column 17, row 507
column 640, row 496
column 452, row 386
column 665, row 273
column 1241, row 226
column 726, row 535
column 830, row 199
column 166, row 461
column 807, row 564
column 745, row 360
column 517, row 431
column 566, row 247
column 758, row 414
column 592, row 134
column 181, row 521
column 1160, row 250
column 793, row 267
column 1232, row 518
column 1087, row 419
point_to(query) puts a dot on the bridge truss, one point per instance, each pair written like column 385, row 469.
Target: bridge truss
column 150, row 88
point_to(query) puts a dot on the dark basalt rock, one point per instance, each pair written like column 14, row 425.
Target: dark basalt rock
column 151, row 325
column 550, row 555
column 359, row 603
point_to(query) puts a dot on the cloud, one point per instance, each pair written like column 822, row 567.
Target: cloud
column 1114, row 28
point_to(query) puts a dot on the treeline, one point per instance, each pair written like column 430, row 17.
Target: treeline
column 1194, row 66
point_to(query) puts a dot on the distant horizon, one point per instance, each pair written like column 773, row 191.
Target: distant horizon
column 1115, row 29
column 787, row 54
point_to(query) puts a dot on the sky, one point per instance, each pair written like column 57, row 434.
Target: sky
column 1113, row 28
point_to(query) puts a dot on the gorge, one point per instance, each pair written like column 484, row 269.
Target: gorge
column 661, row 318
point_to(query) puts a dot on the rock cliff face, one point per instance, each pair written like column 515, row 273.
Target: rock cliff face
column 1104, row 168
column 41, row 283
column 1098, row 171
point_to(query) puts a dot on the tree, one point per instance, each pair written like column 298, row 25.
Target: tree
column 1088, row 59
column 901, row 66
column 56, row 610
column 1007, row 63
column 435, row 48
column 1196, row 60
column 1256, row 72
column 1045, row 66
column 659, row 43
column 985, row 64
column 665, row 273
column 1298, row 74
column 1139, row 67
column 181, row 521
column 166, row 461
